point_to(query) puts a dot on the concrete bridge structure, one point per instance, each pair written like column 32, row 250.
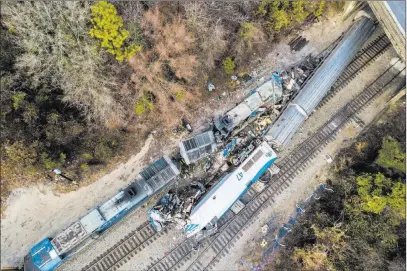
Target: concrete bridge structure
column 392, row 16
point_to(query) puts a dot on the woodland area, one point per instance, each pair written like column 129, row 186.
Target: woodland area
column 362, row 224
column 83, row 82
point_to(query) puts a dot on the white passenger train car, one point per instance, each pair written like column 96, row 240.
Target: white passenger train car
column 224, row 194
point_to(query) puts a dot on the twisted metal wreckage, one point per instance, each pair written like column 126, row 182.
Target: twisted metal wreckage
column 238, row 132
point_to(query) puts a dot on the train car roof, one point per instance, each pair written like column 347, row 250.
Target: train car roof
column 159, row 173
column 77, row 232
column 253, row 101
column 123, row 200
column 271, row 87
column 42, row 257
column 197, row 147
column 239, row 113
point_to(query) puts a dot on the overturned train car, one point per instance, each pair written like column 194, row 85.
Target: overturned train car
column 51, row 253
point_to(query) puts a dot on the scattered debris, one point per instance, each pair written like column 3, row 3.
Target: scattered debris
column 205, row 233
column 246, row 78
column 237, row 133
column 208, row 164
column 264, row 229
column 328, row 158
column 298, row 43
column 183, row 126
column 211, row 87
column 176, row 207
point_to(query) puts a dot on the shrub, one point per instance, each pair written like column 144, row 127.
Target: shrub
column 228, row 65
column 84, row 166
column 108, row 27
column 321, row 8
column 48, row 162
column 87, row 156
column 144, row 103
column 391, row 155
column 18, row 99
column 246, row 30
column 279, row 20
column 103, row 152
column 179, row 94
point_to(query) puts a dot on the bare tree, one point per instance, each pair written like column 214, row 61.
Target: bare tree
column 209, row 31
column 59, row 51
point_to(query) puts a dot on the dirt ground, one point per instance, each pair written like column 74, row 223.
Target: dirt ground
column 37, row 212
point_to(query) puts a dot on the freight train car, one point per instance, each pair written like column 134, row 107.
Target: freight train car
column 194, row 149
column 321, row 82
column 229, row 189
column 50, row 253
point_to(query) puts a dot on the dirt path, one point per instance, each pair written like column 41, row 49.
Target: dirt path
column 37, row 212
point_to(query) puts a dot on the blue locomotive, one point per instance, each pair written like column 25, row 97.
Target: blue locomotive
column 50, row 253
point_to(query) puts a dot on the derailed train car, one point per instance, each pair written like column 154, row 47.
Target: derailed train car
column 51, row 253
column 270, row 92
column 224, row 195
column 319, row 85
column 229, row 189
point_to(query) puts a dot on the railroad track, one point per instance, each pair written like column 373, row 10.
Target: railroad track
column 126, row 248
column 131, row 244
column 362, row 60
column 218, row 246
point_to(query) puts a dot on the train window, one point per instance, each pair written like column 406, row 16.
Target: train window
column 257, row 156
column 248, row 165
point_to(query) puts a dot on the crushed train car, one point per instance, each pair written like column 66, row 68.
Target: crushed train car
column 268, row 93
column 175, row 206
column 196, row 211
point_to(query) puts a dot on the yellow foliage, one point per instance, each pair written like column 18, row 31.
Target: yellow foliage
column 312, row 259
column 179, row 94
column 108, row 27
column 143, row 104
column 360, row 146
